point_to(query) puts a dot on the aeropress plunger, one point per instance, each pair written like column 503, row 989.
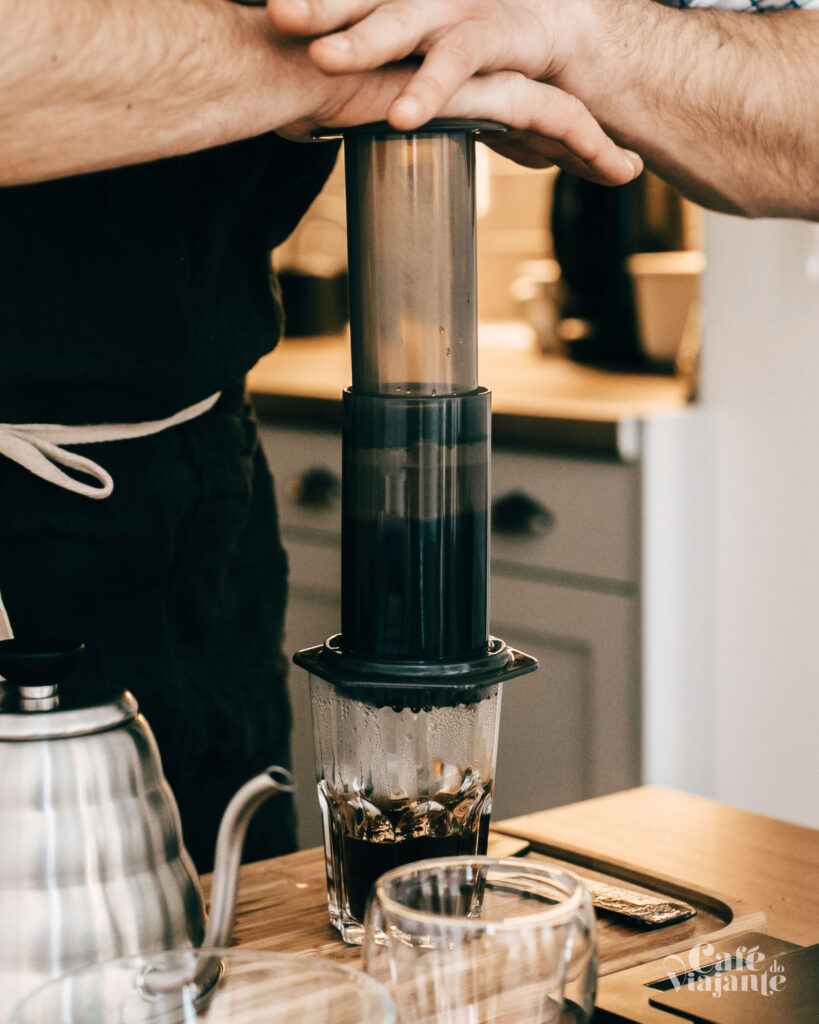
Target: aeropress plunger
column 406, row 699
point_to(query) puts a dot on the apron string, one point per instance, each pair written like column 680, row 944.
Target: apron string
column 37, row 448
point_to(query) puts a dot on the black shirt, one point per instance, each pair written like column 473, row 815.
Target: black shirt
column 124, row 296
column 146, row 288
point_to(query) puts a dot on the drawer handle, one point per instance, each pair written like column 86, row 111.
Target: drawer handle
column 518, row 513
column 316, row 487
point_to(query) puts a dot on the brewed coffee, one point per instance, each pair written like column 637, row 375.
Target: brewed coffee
column 415, row 589
column 368, row 838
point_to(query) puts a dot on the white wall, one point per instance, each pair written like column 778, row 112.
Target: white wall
column 760, row 387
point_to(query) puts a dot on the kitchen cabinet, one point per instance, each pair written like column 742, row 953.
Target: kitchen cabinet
column 595, row 574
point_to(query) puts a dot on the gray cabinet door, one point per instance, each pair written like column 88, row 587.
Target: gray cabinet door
column 571, row 730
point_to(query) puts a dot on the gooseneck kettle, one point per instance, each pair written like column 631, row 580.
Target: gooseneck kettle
column 92, row 863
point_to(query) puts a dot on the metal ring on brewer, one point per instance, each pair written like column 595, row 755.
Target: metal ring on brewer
column 496, row 657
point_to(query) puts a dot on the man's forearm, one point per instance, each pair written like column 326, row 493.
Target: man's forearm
column 88, row 85
column 724, row 105
column 91, row 84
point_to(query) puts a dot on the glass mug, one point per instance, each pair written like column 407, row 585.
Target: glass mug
column 477, row 940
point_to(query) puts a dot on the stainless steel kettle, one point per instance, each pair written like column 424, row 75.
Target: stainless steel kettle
column 92, row 863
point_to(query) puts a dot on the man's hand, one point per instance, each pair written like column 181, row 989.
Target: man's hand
column 546, row 126
column 722, row 104
column 456, row 39
column 468, row 48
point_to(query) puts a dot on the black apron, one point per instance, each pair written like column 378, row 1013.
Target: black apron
column 126, row 296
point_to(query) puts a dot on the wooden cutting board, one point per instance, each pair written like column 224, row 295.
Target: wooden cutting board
column 283, row 907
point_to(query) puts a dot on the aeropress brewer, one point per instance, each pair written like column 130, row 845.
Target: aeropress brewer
column 406, row 699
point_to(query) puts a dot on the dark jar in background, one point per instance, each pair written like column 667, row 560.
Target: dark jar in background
column 595, row 228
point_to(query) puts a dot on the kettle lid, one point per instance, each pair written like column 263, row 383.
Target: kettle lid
column 38, row 661
column 38, row 700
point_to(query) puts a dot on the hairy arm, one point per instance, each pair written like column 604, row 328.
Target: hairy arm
column 91, row 84
column 722, row 104
column 88, row 85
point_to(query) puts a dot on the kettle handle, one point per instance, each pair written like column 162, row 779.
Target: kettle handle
column 229, row 843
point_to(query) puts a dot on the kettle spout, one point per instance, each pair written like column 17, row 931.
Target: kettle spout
column 229, row 843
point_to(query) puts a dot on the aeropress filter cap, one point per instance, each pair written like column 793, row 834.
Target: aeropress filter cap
column 415, row 684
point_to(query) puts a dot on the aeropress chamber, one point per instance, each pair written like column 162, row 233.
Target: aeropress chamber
column 406, row 699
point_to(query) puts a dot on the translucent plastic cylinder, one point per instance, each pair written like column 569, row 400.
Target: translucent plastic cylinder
column 411, row 253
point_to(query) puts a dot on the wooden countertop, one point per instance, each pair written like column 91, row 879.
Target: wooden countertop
column 541, row 399
column 761, row 862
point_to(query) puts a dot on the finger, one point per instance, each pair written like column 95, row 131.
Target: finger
column 389, row 33
column 557, row 156
column 360, row 99
column 315, row 17
column 521, row 153
column 543, row 154
column 549, row 113
column 528, row 148
column 449, row 64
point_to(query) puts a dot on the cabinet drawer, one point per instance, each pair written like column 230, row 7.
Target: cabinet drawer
column 572, row 516
column 588, row 525
column 314, row 568
column 306, row 466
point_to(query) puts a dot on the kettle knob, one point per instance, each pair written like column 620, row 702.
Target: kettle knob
column 38, row 661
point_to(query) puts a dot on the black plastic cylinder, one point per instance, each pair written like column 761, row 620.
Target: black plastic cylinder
column 415, row 527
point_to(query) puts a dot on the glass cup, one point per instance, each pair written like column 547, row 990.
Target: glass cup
column 220, row 986
column 398, row 783
column 476, row 940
